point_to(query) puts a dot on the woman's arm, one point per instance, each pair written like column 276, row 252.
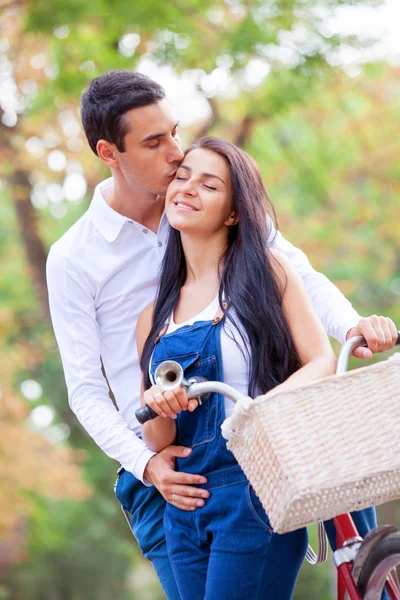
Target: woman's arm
column 160, row 432
column 311, row 342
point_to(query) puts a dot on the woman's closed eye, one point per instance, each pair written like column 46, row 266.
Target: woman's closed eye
column 205, row 185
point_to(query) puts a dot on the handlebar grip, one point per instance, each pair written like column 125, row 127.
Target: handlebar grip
column 398, row 339
column 145, row 413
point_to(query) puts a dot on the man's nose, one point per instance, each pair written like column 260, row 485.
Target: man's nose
column 176, row 153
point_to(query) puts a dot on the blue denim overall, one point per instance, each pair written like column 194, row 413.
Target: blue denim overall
column 226, row 549
column 231, row 534
column 146, row 506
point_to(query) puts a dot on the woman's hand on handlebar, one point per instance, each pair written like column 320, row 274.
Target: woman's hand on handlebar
column 169, row 403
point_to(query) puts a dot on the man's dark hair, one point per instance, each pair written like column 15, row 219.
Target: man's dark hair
column 108, row 98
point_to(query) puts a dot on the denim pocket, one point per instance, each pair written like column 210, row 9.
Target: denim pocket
column 200, row 426
column 119, row 473
column 126, row 490
column 185, row 361
column 117, row 485
column 257, row 509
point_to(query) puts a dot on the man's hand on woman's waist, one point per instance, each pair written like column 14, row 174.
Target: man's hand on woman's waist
column 176, row 487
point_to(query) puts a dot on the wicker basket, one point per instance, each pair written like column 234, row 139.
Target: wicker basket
column 324, row 449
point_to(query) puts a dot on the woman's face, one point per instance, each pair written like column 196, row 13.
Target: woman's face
column 199, row 199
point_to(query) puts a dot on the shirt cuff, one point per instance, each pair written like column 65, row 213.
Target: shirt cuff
column 140, row 465
column 346, row 328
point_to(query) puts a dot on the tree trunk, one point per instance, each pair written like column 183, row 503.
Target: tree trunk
column 20, row 190
column 211, row 121
column 245, row 131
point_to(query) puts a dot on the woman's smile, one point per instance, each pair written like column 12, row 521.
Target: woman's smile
column 185, row 206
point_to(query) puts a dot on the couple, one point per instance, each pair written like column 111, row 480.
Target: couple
column 226, row 307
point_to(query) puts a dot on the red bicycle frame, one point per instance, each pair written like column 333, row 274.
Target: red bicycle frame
column 346, row 531
column 347, row 534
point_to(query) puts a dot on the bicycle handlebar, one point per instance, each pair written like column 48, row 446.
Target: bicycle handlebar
column 194, row 390
column 198, row 389
column 347, row 349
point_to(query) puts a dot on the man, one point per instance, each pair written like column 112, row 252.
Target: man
column 103, row 272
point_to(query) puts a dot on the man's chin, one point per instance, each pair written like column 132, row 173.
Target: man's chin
column 160, row 197
column 161, row 191
column 156, row 194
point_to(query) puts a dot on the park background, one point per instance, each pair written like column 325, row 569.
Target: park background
column 310, row 89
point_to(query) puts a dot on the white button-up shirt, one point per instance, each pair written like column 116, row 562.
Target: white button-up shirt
column 101, row 274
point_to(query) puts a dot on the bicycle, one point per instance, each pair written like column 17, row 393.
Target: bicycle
column 364, row 566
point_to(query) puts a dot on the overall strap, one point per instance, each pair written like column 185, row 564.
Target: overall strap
column 219, row 315
column 163, row 330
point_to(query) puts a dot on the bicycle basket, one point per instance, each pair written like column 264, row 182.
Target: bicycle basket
column 330, row 447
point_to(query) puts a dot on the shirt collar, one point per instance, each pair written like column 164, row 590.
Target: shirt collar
column 106, row 220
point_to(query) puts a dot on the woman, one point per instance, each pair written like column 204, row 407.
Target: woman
column 228, row 309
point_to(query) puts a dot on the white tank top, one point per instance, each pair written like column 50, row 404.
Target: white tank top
column 234, row 355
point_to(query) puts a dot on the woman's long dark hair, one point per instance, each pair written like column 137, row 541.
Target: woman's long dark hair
column 247, row 279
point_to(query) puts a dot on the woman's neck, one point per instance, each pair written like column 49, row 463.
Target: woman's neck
column 202, row 257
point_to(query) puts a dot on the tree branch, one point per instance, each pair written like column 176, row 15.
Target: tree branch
column 4, row 5
column 213, row 119
column 245, row 130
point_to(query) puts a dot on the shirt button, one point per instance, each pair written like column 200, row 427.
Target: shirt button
column 159, row 244
column 145, row 231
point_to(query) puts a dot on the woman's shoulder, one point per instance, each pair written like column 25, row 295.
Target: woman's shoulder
column 279, row 258
column 147, row 314
column 288, row 279
column 143, row 325
column 281, row 265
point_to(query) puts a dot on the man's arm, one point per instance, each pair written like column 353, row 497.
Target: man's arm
column 335, row 312
column 72, row 308
column 337, row 315
column 73, row 315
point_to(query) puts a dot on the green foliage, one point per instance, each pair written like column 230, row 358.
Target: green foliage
column 325, row 146
column 74, row 554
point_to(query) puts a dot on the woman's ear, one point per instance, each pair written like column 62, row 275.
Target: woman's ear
column 233, row 219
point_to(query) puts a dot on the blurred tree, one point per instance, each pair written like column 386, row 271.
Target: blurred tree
column 324, row 142
column 79, row 40
column 29, row 464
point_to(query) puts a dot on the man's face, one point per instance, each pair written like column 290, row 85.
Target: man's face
column 152, row 148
